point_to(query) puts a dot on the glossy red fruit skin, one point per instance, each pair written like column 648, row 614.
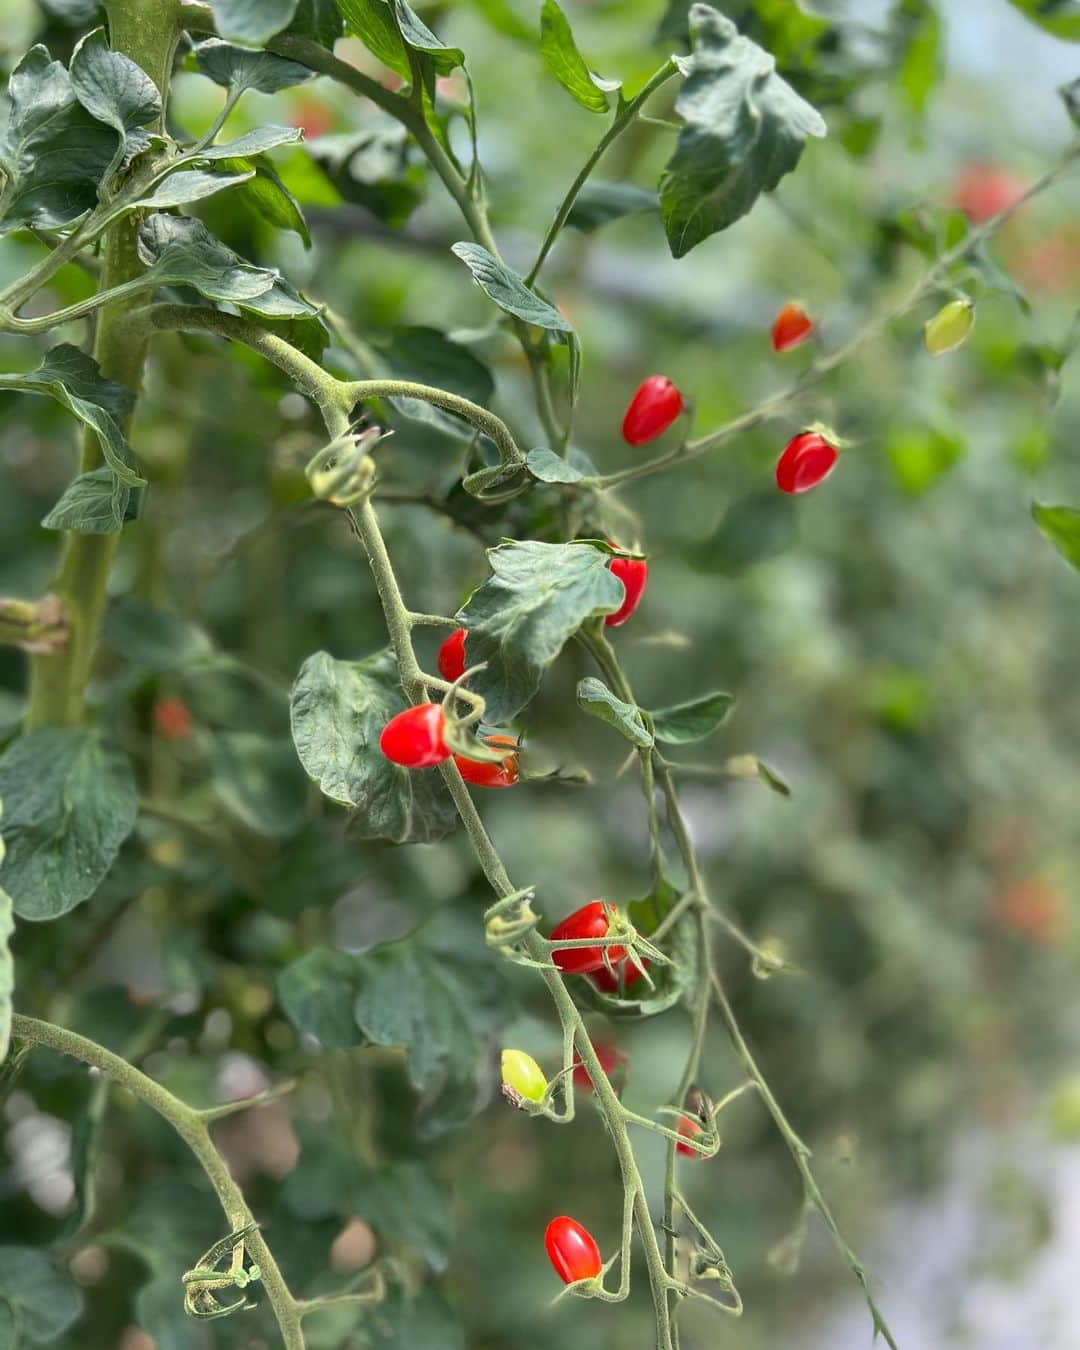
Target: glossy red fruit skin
column 689, row 1129
column 807, row 461
column 790, row 327
column 452, row 656
column 633, row 573
column 572, row 1250
column 655, row 405
column 414, row 738
column 610, row 1057
column 608, row 981
column 482, row 773
column 590, row 921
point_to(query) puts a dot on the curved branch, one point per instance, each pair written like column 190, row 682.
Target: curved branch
column 192, row 1127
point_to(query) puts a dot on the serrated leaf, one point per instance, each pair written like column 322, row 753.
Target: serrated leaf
column 537, row 598
column 69, row 803
column 565, row 62
column 1059, row 17
column 1061, row 525
column 116, row 91
column 237, row 69
column 53, row 153
column 317, row 993
column 598, row 203
column 338, row 711
column 692, row 721
column 508, row 290
column 438, row 994
column 252, row 21
column 251, row 143
column 92, row 503
column 155, row 638
column 373, row 168
column 181, row 251
column 74, row 380
column 596, row 698
column 42, row 1293
column 744, row 128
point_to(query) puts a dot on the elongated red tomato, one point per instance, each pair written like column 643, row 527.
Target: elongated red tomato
column 624, row 976
column 633, row 573
column 573, row 1250
column 172, row 717
column 689, row 1129
column 611, row 1061
column 483, row 773
column 452, row 656
column 807, row 461
column 655, row 405
column 590, row 921
column 414, row 738
column 790, row 327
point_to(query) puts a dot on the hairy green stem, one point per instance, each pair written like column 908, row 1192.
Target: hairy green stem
column 192, row 1127
column 147, row 31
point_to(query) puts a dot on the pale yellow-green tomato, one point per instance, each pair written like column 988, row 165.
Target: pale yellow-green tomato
column 522, row 1074
column 949, row 327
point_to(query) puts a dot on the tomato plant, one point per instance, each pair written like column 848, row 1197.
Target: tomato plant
column 329, row 488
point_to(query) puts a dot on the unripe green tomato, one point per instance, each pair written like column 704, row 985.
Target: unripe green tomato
column 949, row 327
column 522, row 1075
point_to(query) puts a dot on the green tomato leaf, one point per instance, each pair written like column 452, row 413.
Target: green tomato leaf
column 116, row 91
column 421, row 39
column 251, row 143
column 537, row 598
column 374, row 169
column 192, row 185
column 263, row 192
column 43, row 1296
column 238, row 69
column 744, row 128
column 428, row 356
column 339, row 709
column 1059, row 17
column 1061, row 525
column 565, row 62
column 424, row 1320
column 92, row 503
column 596, row 698
column 916, row 25
column 256, row 781
column 155, row 638
column 437, row 993
column 381, row 26
column 693, row 721
column 548, row 467
column 74, row 380
column 181, row 251
column 317, row 993
column 69, row 803
column 7, row 966
column 252, row 21
column 53, row 153
column 598, row 203
column 508, row 290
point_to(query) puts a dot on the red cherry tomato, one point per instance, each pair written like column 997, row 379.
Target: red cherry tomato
column 807, row 461
column 633, row 573
column 590, row 921
column 414, row 738
column 689, row 1129
column 573, row 1250
column 452, row 656
column 611, row 1060
column 482, row 773
column 172, row 717
column 982, row 190
column 790, row 327
column 655, row 405
column 625, row 976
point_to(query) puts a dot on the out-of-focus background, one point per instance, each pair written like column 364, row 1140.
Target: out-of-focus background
column 902, row 644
